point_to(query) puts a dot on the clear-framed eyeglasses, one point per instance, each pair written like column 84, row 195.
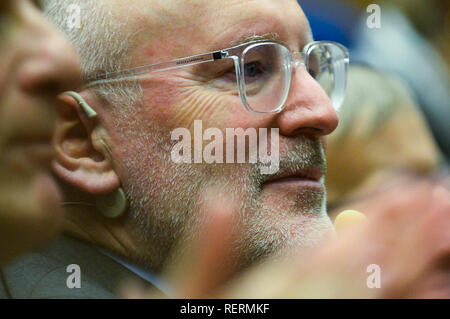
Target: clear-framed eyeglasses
column 261, row 72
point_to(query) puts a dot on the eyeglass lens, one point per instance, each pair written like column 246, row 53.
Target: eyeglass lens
column 267, row 74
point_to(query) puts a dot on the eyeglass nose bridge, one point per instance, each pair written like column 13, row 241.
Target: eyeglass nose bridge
column 297, row 59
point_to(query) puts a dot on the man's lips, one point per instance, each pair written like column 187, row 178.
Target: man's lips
column 313, row 174
column 307, row 177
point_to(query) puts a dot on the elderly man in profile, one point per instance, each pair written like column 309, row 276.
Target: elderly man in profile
column 127, row 144
column 152, row 67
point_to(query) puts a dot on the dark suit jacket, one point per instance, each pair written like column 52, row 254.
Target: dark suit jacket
column 43, row 274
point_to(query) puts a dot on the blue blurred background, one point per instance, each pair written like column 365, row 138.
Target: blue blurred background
column 412, row 43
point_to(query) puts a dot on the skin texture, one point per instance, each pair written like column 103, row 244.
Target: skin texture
column 37, row 63
column 166, row 198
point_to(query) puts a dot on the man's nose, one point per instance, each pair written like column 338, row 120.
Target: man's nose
column 50, row 65
column 308, row 109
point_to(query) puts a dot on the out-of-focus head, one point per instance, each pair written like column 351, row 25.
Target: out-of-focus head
column 36, row 64
column 382, row 132
column 130, row 144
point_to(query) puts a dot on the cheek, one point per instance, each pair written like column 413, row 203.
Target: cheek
column 158, row 98
column 197, row 103
column 178, row 102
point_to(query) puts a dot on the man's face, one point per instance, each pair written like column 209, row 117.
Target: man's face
column 36, row 63
column 275, row 211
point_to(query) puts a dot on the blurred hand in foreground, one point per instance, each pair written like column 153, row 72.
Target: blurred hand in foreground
column 401, row 251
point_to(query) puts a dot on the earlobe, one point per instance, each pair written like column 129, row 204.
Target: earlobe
column 82, row 155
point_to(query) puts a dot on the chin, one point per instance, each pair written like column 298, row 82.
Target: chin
column 278, row 231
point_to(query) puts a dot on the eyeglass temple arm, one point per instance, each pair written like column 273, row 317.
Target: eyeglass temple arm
column 164, row 66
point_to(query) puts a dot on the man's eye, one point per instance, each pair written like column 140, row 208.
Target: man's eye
column 253, row 69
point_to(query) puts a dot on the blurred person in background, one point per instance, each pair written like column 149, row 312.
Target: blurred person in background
column 404, row 45
column 411, row 42
column 382, row 135
column 36, row 64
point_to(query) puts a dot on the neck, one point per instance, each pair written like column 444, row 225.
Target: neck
column 83, row 221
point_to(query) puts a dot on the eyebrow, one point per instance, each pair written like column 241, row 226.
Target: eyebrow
column 272, row 36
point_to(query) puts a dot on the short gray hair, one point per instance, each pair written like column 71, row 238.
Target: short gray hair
column 100, row 44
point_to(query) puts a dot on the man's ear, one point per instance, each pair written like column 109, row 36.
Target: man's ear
column 83, row 158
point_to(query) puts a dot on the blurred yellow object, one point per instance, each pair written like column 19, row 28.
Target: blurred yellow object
column 348, row 218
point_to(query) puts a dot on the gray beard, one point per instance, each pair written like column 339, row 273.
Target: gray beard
column 165, row 203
